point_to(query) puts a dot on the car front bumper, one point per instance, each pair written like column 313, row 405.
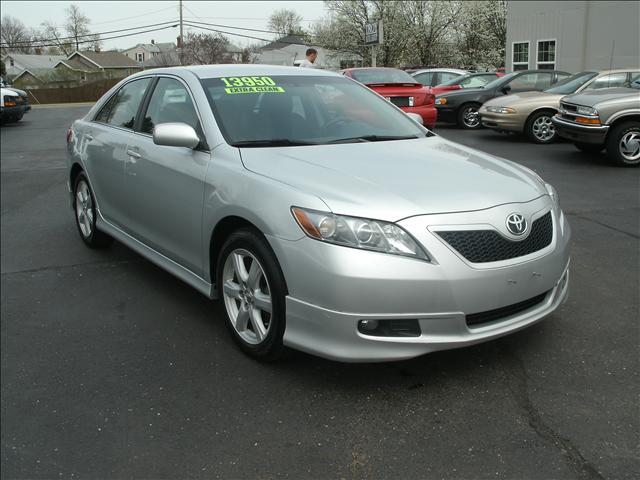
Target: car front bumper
column 332, row 288
column 427, row 112
column 12, row 112
column 502, row 121
column 595, row 134
column 447, row 113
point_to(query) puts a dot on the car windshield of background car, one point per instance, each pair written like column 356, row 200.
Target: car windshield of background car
column 572, row 83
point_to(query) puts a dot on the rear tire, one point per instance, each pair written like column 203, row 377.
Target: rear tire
column 589, row 147
column 539, row 128
column 253, row 289
column 623, row 144
column 84, row 207
column 468, row 116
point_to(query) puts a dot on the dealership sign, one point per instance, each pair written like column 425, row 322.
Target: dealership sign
column 373, row 33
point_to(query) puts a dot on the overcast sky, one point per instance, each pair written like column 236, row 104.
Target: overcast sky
column 107, row 16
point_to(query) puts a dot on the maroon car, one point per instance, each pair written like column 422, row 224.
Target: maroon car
column 399, row 88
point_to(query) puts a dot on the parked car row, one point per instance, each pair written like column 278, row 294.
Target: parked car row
column 594, row 110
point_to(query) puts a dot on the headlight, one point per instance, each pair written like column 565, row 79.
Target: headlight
column 441, row 101
column 553, row 194
column 586, row 111
column 358, row 233
column 501, row 109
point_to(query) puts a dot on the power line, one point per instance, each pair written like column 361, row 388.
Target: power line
column 38, row 41
column 235, row 28
column 239, row 34
column 106, row 38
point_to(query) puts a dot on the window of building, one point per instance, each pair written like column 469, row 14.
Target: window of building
column 520, row 58
column 140, row 57
column 547, row 54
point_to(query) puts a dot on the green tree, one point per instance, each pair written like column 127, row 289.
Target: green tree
column 286, row 22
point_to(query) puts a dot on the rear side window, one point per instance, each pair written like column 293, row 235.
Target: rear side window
column 476, row 81
column 170, row 102
column 424, row 78
column 446, row 76
column 121, row 109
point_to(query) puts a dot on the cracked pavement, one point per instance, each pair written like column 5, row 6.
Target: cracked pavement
column 112, row 368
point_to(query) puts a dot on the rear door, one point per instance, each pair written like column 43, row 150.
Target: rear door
column 165, row 185
column 106, row 139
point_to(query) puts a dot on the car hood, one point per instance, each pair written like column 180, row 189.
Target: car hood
column 593, row 97
column 397, row 179
column 525, row 98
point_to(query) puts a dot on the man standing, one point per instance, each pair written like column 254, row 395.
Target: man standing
column 309, row 62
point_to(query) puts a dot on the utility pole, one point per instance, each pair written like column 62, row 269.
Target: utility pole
column 181, row 41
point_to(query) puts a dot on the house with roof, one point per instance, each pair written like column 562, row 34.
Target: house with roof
column 291, row 49
column 18, row 63
column 143, row 53
column 88, row 66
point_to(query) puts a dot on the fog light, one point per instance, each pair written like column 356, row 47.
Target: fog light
column 367, row 325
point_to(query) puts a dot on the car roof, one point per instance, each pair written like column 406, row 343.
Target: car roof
column 618, row 70
column 240, row 69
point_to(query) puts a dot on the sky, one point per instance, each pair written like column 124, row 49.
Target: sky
column 107, row 16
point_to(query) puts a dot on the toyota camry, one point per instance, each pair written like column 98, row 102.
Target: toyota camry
column 322, row 216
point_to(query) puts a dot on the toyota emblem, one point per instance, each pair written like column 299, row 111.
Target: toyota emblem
column 516, row 224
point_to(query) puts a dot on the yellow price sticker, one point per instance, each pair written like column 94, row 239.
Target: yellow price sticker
column 256, row 84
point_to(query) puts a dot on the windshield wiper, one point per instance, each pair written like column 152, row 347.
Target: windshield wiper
column 374, row 138
column 276, row 142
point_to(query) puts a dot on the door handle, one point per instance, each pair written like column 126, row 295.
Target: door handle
column 133, row 153
column 88, row 137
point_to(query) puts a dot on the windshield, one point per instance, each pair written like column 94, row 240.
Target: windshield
column 572, row 83
column 500, row 80
column 382, row 75
column 303, row 110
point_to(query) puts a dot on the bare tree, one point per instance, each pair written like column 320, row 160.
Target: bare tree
column 14, row 35
column 58, row 44
column 286, row 22
column 205, row 48
column 77, row 26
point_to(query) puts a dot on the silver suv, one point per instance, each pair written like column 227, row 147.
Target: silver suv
column 608, row 118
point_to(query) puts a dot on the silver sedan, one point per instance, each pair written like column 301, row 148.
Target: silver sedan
column 321, row 215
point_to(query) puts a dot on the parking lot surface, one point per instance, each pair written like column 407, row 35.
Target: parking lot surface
column 112, row 368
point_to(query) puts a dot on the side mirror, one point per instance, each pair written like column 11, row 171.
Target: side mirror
column 175, row 135
column 506, row 89
column 415, row 117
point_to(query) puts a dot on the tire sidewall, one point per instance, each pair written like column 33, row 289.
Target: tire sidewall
column 90, row 239
column 271, row 347
column 460, row 118
column 529, row 128
column 613, row 143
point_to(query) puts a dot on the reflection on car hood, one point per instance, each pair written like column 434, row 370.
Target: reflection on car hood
column 397, row 179
column 463, row 91
column 525, row 98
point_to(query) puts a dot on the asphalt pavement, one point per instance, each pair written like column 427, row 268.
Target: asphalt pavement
column 112, row 368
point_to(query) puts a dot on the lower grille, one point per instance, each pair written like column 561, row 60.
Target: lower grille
column 480, row 246
column 503, row 312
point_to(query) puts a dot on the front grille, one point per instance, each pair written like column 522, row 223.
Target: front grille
column 503, row 312
column 480, row 246
column 400, row 101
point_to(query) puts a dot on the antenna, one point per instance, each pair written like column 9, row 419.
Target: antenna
column 613, row 46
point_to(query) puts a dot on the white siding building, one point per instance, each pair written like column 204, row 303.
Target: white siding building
column 572, row 35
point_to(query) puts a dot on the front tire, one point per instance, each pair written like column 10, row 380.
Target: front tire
column 539, row 128
column 623, row 144
column 253, row 289
column 84, row 206
column 469, row 117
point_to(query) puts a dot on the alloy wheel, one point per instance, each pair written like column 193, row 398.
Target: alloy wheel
column 247, row 296
column 543, row 128
column 630, row 146
column 84, row 209
column 470, row 117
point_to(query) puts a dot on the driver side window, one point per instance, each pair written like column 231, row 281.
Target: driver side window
column 170, row 102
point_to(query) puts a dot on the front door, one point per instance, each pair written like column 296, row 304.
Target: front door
column 165, row 185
